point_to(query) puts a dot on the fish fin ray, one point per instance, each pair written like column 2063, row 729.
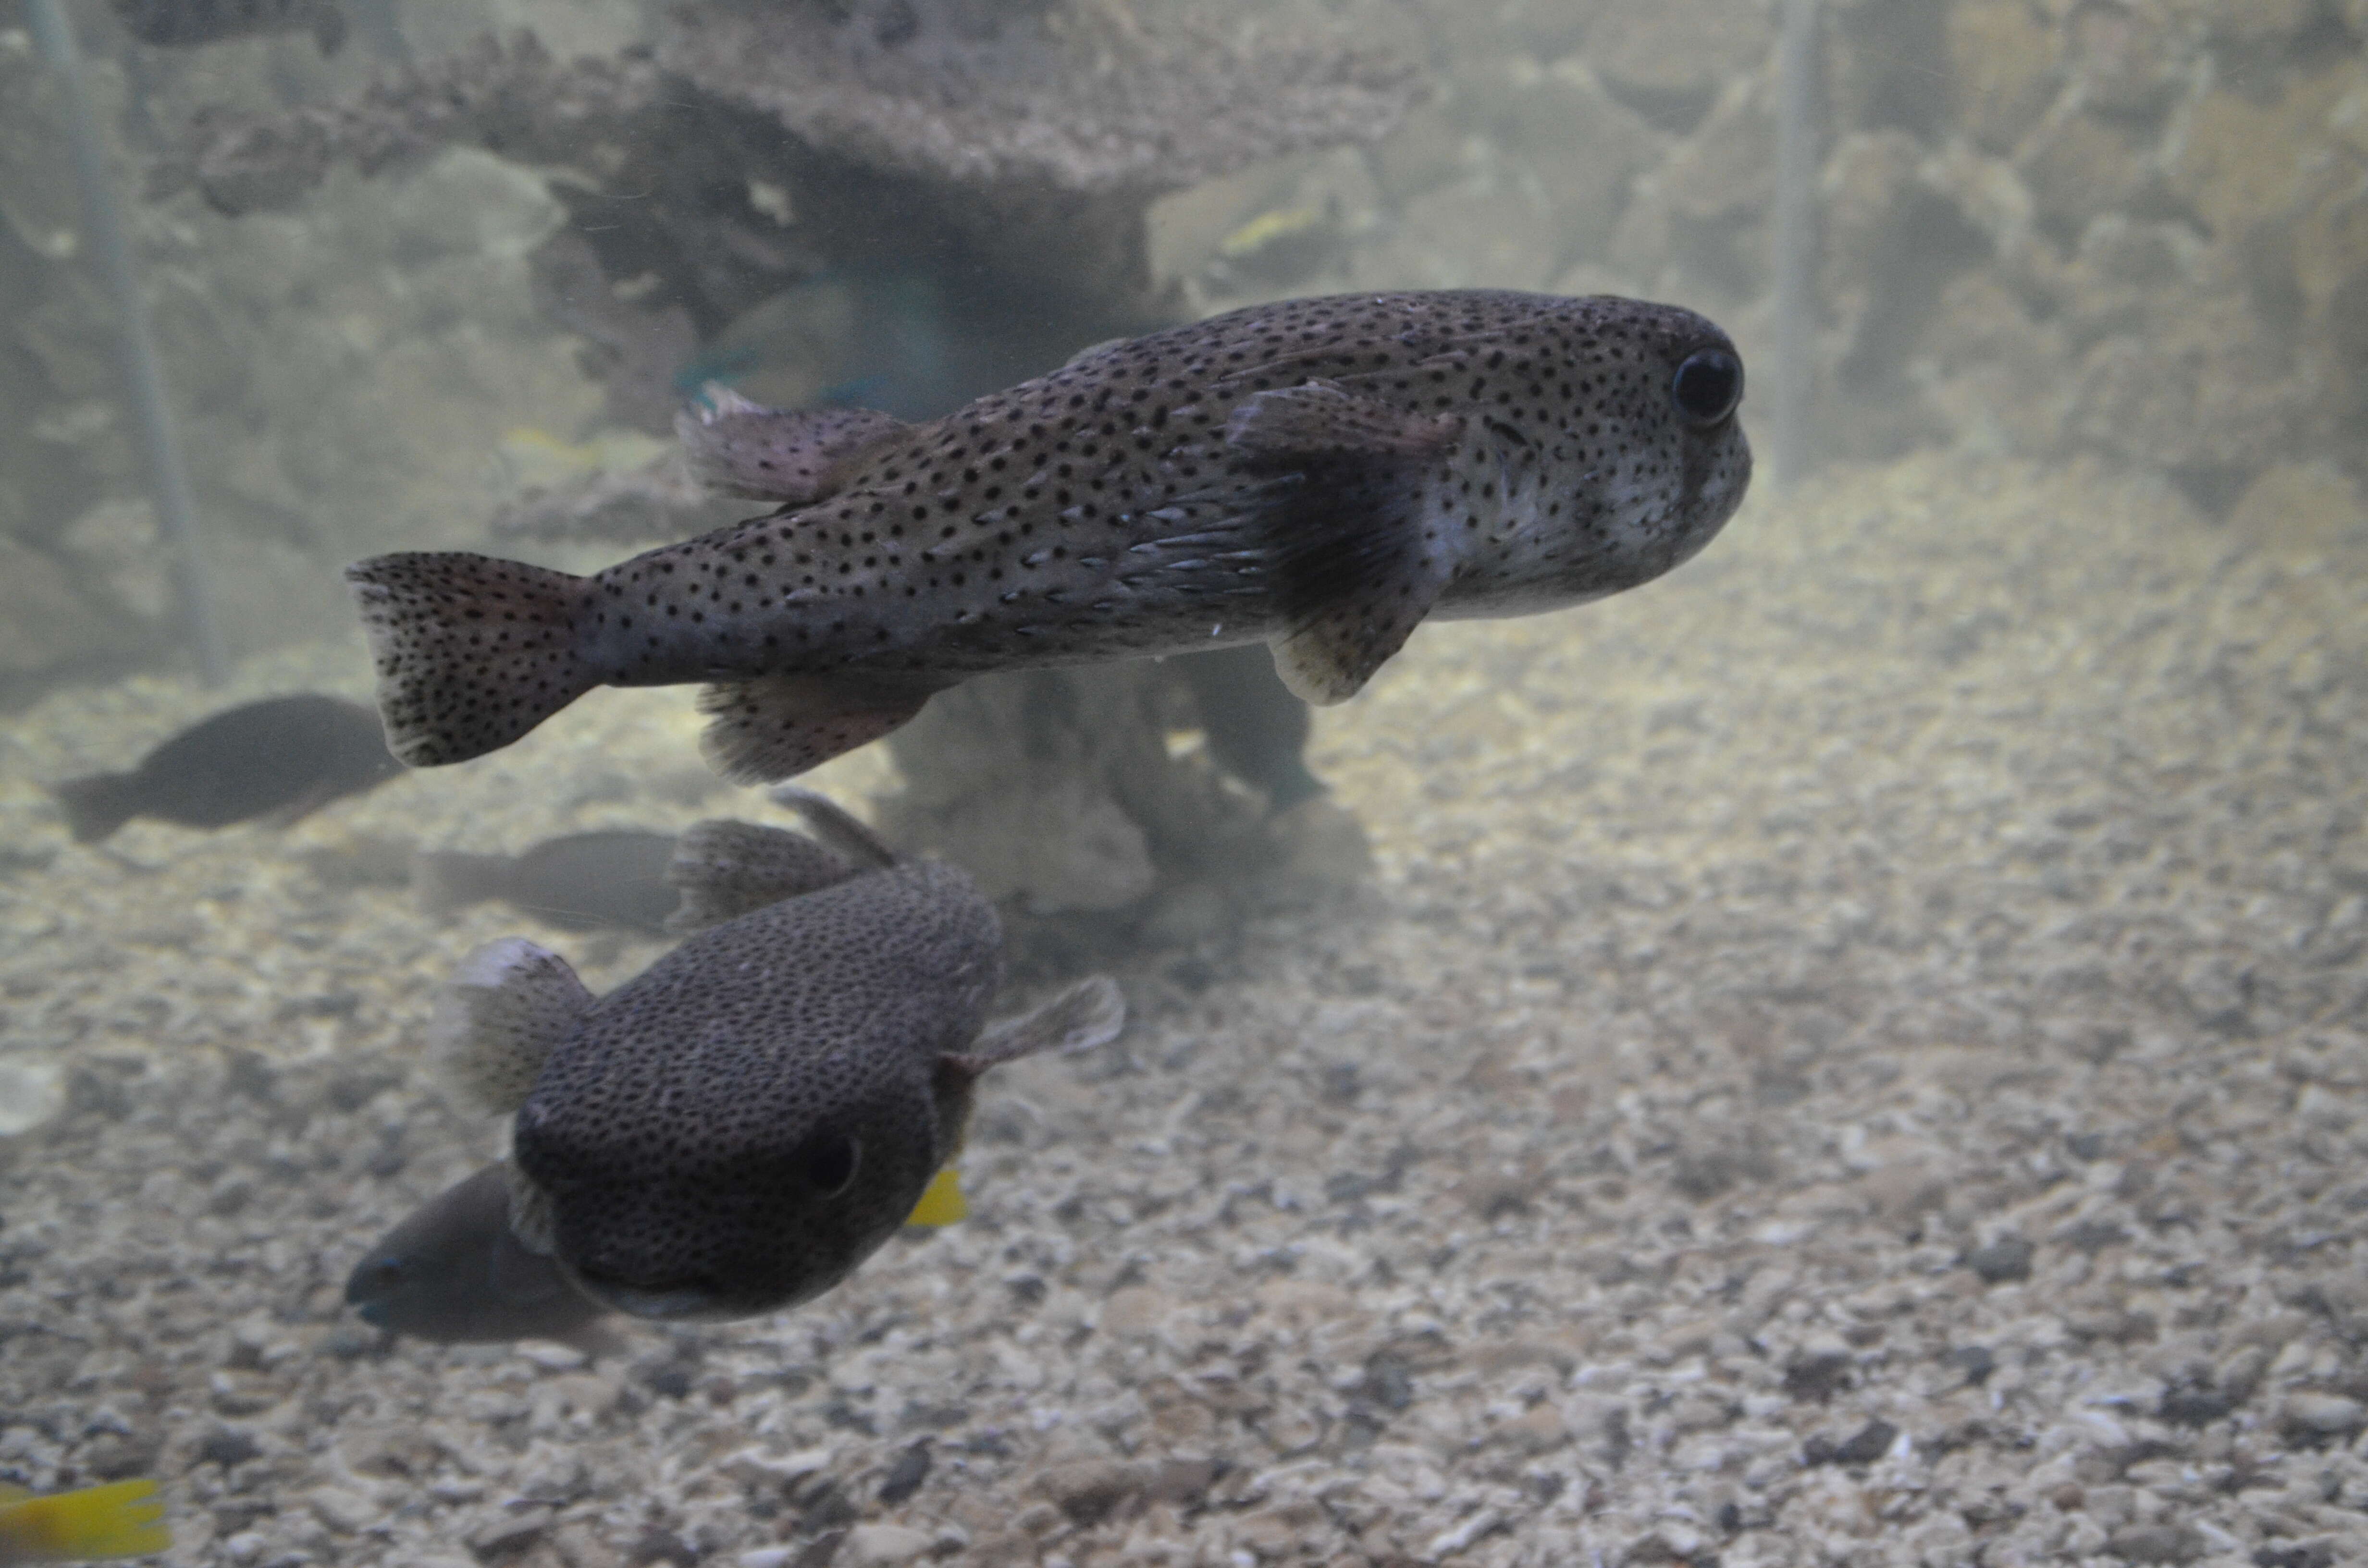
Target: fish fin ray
column 742, row 447
column 471, row 651
column 507, row 1007
column 777, row 726
column 1089, row 1014
column 1355, row 570
column 725, row 868
column 1319, row 420
column 1328, row 654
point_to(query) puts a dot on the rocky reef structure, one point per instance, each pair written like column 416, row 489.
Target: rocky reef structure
column 951, row 195
column 363, row 287
column 1058, row 791
column 2131, row 228
column 341, row 379
column 1008, row 151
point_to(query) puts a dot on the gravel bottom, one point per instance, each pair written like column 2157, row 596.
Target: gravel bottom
column 1852, row 1055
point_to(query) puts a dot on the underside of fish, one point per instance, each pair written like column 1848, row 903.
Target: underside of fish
column 1317, row 474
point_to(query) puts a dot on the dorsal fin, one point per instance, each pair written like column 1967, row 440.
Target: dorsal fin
column 724, row 870
column 776, row 454
column 835, row 826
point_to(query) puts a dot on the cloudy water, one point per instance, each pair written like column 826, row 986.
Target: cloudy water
column 1762, row 984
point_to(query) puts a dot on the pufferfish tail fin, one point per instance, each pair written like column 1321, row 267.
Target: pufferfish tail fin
column 119, row 1519
column 471, row 651
column 510, row 1003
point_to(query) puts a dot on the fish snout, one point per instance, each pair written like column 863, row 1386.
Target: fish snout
column 371, row 1288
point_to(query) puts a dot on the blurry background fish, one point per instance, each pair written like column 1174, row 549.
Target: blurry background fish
column 452, row 1273
column 613, row 877
column 289, row 755
column 119, row 1519
column 182, row 24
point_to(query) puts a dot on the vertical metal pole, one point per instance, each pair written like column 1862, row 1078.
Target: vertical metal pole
column 1797, row 239
column 176, row 514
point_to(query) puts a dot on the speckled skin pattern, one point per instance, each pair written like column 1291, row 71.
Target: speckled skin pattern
column 690, row 1131
column 1344, row 465
column 1097, row 510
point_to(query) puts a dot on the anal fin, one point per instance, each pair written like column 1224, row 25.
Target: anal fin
column 777, row 726
column 774, row 454
column 1356, row 568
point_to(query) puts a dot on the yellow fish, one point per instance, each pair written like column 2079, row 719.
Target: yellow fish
column 1281, row 223
column 119, row 1519
column 942, row 1203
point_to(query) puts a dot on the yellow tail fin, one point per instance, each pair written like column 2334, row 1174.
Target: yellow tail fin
column 117, row 1520
column 942, row 1204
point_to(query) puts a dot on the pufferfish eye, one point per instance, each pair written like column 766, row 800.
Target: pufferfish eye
column 829, row 1163
column 1708, row 385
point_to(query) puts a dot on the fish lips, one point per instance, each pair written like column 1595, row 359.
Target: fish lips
column 742, row 1287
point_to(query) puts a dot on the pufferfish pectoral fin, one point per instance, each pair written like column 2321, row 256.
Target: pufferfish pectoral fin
column 742, row 447
column 1090, row 1013
column 723, row 869
column 509, row 1003
column 1355, row 566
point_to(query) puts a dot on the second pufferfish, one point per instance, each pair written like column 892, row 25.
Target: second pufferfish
column 737, row 1127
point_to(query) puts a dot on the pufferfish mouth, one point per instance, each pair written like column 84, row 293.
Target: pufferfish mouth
column 686, row 1302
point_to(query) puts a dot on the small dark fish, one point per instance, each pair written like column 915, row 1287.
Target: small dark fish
column 737, row 1127
column 577, row 881
column 1319, row 476
column 185, row 24
column 286, row 754
column 454, row 1274
column 1256, row 729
